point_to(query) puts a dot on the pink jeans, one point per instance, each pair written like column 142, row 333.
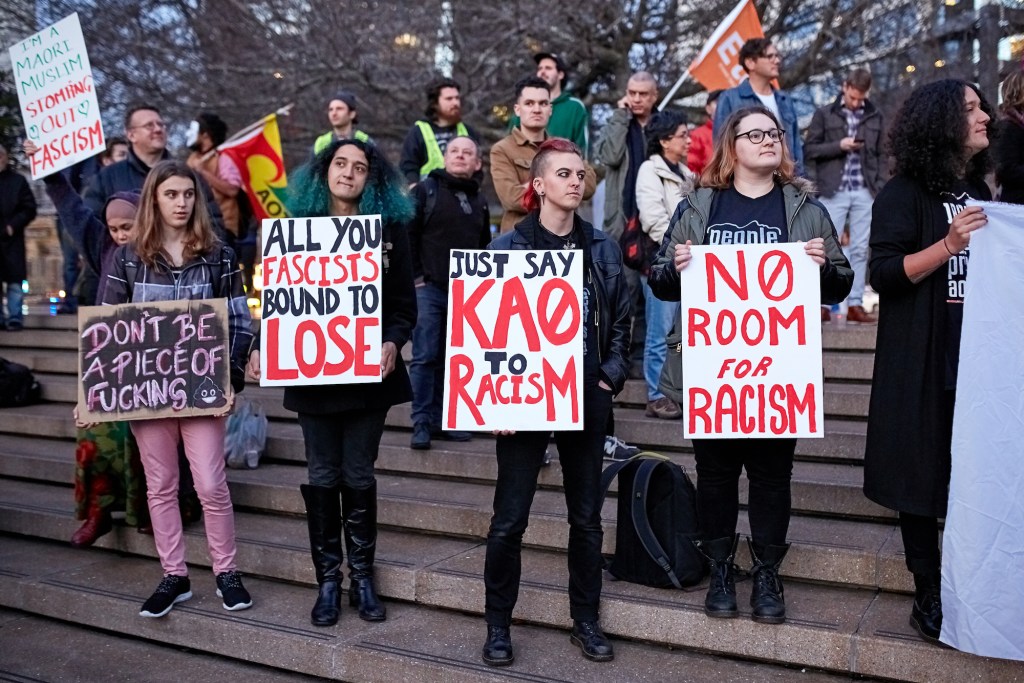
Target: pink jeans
column 204, row 447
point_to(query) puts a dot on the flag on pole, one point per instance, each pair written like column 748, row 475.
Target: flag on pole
column 257, row 153
column 717, row 66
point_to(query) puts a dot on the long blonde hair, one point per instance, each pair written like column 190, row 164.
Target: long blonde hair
column 199, row 235
column 720, row 170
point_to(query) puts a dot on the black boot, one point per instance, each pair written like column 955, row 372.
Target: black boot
column 498, row 647
column 767, row 596
column 591, row 640
column 926, row 615
column 323, row 514
column 721, row 598
column 360, row 510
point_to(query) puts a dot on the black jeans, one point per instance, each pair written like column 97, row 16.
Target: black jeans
column 341, row 448
column 920, row 543
column 520, row 457
column 769, row 465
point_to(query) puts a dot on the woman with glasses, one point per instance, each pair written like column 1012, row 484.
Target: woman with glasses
column 749, row 180
column 920, row 234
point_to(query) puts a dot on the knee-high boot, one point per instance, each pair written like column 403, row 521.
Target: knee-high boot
column 323, row 514
column 360, row 510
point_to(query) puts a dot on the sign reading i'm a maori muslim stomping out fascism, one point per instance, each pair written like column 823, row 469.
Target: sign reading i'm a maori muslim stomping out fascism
column 751, row 343
column 322, row 300
column 58, row 100
column 150, row 360
column 515, row 341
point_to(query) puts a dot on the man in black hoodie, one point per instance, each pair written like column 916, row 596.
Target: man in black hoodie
column 451, row 213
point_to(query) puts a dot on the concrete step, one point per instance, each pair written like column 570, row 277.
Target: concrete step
column 40, row 503
column 98, row 590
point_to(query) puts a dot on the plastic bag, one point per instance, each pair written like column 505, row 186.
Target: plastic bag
column 246, row 436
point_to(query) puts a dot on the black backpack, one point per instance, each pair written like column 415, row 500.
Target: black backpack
column 657, row 523
column 18, row 387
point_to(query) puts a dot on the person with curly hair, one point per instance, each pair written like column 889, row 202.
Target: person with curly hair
column 1008, row 150
column 920, row 234
column 342, row 424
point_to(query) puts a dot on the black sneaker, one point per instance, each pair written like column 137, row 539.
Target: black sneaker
column 172, row 589
column 229, row 587
column 420, row 437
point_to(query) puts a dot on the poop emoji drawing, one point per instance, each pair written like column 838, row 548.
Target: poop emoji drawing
column 208, row 395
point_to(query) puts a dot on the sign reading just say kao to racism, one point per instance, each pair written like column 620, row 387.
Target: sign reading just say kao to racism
column 321, row 300
column 515, row 341
column 751, row 343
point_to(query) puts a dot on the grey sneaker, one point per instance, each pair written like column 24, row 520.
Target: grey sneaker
column 617, row 449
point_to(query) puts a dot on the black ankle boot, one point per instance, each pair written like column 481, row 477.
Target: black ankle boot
column 360, row 510
column 926, row 615
column 498, row 647
column 591, row 640
column 721, row 598
column 323, row 516
column 767, row 597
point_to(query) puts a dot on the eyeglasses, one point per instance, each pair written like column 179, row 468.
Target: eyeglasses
column 152, row 125
column 772, row 57
column 757, row 136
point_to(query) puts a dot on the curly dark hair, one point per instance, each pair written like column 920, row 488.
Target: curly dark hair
column 383, row 194
column 927, row 137
column 433, row 91
column 663, row 125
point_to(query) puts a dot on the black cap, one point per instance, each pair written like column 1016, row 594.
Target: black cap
column 346, row 96
column 559, row 64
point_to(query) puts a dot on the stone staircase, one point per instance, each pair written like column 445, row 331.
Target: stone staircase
column 846, row 583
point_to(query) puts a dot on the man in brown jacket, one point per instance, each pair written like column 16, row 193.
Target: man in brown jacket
column 512, row 155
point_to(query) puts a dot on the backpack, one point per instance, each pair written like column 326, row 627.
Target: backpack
column 18, row 387
column 657, row 523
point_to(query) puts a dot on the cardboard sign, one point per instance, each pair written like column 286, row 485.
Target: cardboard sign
column 322, row 282
column 58, row 100
column 515, row 341
column 752, row 343
column 159, row 359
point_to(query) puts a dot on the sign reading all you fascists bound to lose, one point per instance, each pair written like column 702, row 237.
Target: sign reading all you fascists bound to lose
column 150, row 360
column 751, row 343
column 58, row 100
column 322, row 300
column 515, row 341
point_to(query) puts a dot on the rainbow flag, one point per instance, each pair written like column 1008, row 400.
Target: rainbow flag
column 257, row 153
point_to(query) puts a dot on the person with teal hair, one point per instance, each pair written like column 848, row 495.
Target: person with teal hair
column 342, row 424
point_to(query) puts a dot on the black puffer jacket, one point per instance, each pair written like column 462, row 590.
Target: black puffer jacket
column 612, row 293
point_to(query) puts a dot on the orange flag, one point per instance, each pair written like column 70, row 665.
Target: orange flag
column 717, row 66
column 259, row 159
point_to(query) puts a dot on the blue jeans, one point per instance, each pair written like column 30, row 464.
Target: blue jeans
column 855, row 206
column 426, row 372
column 15, row 298
column 660, row 315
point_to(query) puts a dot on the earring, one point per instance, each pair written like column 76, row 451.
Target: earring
column 541, row 194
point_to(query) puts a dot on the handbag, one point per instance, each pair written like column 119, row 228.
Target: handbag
column 670, row 382
column 638, row 249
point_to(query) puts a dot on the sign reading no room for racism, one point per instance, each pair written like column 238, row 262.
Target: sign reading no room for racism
column 752, row 343
column 321, row 300
column 160, row 359
column 515, row 341
column 58, row 101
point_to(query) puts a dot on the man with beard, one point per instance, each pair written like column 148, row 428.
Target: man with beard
column 569, row 118
column 425, row 143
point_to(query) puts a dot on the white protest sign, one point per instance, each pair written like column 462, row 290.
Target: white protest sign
column 321, row 301
column 751, row 343
column 58, row 101
column 515, row 341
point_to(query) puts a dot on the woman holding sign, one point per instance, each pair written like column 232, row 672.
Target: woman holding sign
column 342, row 424
column 751, row 194
column 176, row 255
column 553, row 194
column 920, row 236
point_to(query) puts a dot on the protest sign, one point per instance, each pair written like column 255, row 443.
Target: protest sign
column 321, row 300
column 983, row 540
column 150, row 360
column 751, row 343
column 515, row 341
column 58, row 100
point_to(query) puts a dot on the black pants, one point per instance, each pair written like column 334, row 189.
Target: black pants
column 769, row 465
column 921, row 543
column 520, row 457
column 341, row 448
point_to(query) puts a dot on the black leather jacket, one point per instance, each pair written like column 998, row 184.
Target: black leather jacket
column 614, row 323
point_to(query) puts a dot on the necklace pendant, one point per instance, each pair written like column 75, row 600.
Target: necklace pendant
column 569, row 245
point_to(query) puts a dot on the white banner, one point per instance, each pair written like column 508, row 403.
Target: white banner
column 515, row 341
column 983, row 543
column 322, row 301
column 752, row 343
column 58, row 101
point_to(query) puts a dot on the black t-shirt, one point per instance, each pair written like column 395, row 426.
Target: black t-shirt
column 956, row 278
column 543, row 239
column 738, row 219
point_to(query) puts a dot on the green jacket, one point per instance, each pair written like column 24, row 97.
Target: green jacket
column 569, row 119
column 806, row 219
column 327, row 138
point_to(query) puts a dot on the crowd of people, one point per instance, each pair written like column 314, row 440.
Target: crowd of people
column 150, row 228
